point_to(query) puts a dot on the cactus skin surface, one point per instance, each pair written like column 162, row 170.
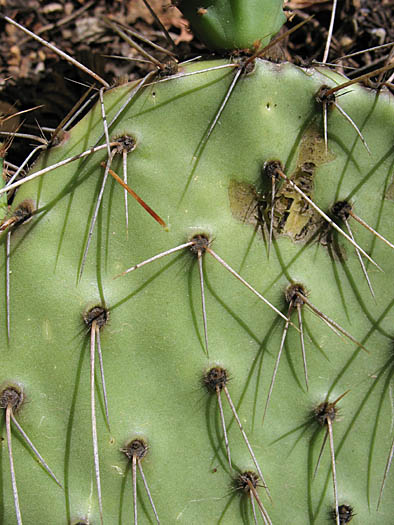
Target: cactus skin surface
column 153, row 343
column 224, row 25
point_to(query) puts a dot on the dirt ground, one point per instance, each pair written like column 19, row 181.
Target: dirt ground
column 33, row 75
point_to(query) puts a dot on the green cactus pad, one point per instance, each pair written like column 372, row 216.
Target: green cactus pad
column 153, row 341
column 224, row 25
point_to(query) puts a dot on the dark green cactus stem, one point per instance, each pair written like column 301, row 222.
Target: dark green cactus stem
column 224, row 25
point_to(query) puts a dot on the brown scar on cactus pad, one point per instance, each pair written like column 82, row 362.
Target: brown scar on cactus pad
column 288, row 212
column 135, row 451
column 280, row 209
column 275, row 166
column 244, row 200
column 291, row 216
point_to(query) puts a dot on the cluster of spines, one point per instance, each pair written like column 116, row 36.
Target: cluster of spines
column 11, row 400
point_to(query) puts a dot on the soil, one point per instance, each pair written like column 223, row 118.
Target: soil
column 33, row 75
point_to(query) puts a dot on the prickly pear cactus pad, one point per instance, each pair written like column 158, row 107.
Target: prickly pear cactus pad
column 235, row 25
column 170, row 384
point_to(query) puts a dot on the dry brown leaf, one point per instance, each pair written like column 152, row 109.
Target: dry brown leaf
column 169, row 17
